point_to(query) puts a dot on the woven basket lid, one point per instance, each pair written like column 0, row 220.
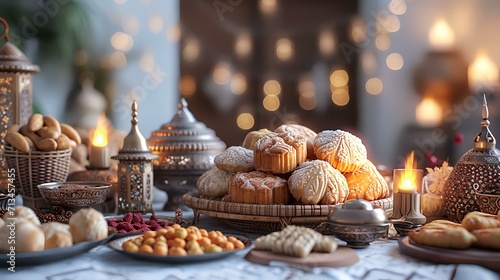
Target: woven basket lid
column 185, row 135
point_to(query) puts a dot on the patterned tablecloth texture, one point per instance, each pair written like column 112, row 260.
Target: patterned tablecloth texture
column 381, row 260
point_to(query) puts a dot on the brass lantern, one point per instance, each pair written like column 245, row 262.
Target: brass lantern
column 15, row 89
column 477, row 171
column 135, row 171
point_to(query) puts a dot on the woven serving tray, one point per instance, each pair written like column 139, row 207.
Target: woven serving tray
column 264, row 218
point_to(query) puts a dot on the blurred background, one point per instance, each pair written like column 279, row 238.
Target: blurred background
column 401, row 75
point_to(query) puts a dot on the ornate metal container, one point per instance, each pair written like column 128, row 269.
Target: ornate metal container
column 186, row 148
column 15, row 91
column 477, row 171
column 135, row 171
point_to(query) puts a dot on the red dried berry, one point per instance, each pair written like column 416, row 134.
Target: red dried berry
column 137, row 218
column 112, row 224
column 128, row 217
column 153, row 217
column 121, row 231
column 129, row 227
column 137, row 226
column 122, row 225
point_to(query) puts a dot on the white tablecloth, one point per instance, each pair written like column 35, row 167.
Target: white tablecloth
column 381, row 260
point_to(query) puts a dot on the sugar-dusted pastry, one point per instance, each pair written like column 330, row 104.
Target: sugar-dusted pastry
column 341, row 149
column 88, row 225
column 28, row 236
column 252, row 137
column 214, row 183
column 479, row 220
column 298, row 142
column 367, row 183
column 295, row 241
column 235, row 159
column 57, row 235
column 22, row 212
column 258, row 187
column 279, row 153
column 317, row 181
column 451, row 237
column 487, row 238
column 304, row 131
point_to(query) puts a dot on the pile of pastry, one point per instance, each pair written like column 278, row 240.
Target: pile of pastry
column 21, row 231
column 477, row 229
column 295, row 241
column 294, row 165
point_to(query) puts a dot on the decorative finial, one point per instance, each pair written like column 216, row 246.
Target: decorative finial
column 485, row 139
column 134, row 113
column 182, row 104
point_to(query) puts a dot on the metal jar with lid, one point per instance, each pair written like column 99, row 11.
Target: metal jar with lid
column 477, row 171
column 357, row 222
column 186, row 149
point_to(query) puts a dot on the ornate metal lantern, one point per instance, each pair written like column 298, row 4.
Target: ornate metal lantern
column 477, row 171
column 186, row 149
column 15, row 89
column 135, row 171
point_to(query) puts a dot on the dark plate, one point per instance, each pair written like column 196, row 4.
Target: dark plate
column 487, row 258
column 51, row 255
column 146, row 217
column 117, row 246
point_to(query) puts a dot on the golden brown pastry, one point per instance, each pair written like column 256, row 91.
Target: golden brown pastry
column 214, row 183
column 235, row 159
column 308, row 133
column 367, row 183
column 57, row 235
column 317, row 181
column 487, row 238
column 28, row 236
column 88, row 225
column 258, row 187
column 451, row 237
column 341, row 149
column 252, row 137
column 478, row 220
column 443, row 224
column 279, row 153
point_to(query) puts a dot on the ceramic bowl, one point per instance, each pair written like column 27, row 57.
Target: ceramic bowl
column 74, row 195
column 358, row 236
column 488, row 203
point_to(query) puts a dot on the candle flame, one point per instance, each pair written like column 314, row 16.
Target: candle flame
column 100, row 135
column 408, row 180
column 429, row 113
column 482, row 70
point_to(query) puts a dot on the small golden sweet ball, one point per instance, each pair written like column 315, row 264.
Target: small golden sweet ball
column 343, row 150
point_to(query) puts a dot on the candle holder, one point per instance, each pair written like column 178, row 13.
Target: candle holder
column 135, row 171
column 407, row 193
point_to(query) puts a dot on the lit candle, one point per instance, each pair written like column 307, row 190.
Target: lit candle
column 482, row 72
column 98, row 150
column 409, row 179
column 441, row 36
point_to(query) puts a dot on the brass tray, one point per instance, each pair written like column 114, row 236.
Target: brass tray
column 264, row 218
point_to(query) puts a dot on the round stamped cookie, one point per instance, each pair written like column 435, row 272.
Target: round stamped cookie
column 343, row 150
column 235, row 159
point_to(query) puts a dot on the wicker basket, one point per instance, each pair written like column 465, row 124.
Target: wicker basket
column 37, row 168
column 265, row 218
